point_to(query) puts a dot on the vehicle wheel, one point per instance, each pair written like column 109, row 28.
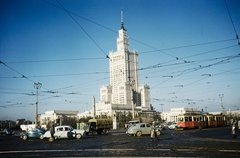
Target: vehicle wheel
column 78, row 136
column 158, row 133
column 139, row 133
column 105, row 131
column 99, row 132
column 24, row 137
column 41, row 136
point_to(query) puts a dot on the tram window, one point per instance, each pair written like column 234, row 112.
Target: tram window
column 180, row 119
column 190, row 118
column 200, row 118
column 194, row 118
column 186, row 118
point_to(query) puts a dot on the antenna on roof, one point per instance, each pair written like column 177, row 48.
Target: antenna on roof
column 121, row 17
column 122, row 23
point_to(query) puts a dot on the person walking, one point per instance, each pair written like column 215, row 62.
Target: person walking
column 153, row 132
column 234, row 128
column 239, row 124
column 199, row 125
column 52, row 131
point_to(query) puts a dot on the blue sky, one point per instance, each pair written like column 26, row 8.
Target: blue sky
column 188, row 52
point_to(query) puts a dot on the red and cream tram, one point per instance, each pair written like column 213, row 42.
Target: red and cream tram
column 194, row 120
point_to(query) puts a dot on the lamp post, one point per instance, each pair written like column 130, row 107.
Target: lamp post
column 162, row 106
column 221, row 96
column 37, row 86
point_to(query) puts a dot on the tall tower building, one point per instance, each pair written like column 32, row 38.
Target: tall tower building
column 124, row 83
column 124, row 92
column 123, row 70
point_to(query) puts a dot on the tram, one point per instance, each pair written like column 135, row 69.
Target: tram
column 194, row 120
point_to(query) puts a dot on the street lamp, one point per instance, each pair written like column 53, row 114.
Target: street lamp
column 221, row 96
column 37, row 86
column 162, row 106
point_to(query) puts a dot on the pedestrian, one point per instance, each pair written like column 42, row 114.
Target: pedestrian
column 153, row 132
column 199, row 125
column 52, row 129
column 234, row 127
column 239, row 124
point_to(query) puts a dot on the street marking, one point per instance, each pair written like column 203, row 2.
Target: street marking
column 159, row 149
column 105, row 150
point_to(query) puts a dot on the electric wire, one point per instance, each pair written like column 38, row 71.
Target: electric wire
column 232, row 22
column 82, row 29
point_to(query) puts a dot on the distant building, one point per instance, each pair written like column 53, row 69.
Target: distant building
column 56, row 115
column 124, row 92
column 171, row 116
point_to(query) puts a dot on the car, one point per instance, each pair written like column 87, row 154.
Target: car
column 172, row 126
column 159, row 128
column 33, row 133
column 65, row 132
column 7, row 131
column 165, row 125
column 141, row 129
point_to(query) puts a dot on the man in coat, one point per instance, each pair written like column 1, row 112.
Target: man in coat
column 153, row 132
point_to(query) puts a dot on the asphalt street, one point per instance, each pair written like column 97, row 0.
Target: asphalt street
column 209, row 142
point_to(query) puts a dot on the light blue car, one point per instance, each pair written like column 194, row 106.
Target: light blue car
column 141, row 129
column 33, row 133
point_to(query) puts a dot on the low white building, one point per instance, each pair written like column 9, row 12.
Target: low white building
column 171, row 116
column 56, row 115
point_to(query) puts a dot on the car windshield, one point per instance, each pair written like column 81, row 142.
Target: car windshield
column 70, row 128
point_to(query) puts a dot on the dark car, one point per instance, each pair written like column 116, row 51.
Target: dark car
column 33, row 133
column 7, row 131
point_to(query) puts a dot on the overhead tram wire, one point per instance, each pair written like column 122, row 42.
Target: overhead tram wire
column 232, row 22
column 82, row 17
column 57, row 75
column 69, row 12
column 186, row 46
column 22, row 76
column 82, row 29
column 53, row 60
column 202, row 67
column 159, row 64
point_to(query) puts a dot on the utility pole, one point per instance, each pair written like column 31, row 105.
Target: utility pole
column 162, row 106
column 133, row 113
column 94, row 108
column 221, row 96
column 37, row 86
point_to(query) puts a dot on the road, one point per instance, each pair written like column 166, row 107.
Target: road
column 209, row 142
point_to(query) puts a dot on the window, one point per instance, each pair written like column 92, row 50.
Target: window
column 190, row 118
column 194, row 118
column 143, row 125
column 148, row 125
column 60, row 129
column 66, row 128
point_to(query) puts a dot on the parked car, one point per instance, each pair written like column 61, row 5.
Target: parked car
column 173, row 125
column 165, row 125
column 141, row 128
column 65, row 132
column 7, row 131
column 33, row 133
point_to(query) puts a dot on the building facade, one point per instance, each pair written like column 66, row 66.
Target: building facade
column 124, row 92
column 172, row 115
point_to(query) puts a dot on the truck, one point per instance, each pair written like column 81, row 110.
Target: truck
column 98, row 125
